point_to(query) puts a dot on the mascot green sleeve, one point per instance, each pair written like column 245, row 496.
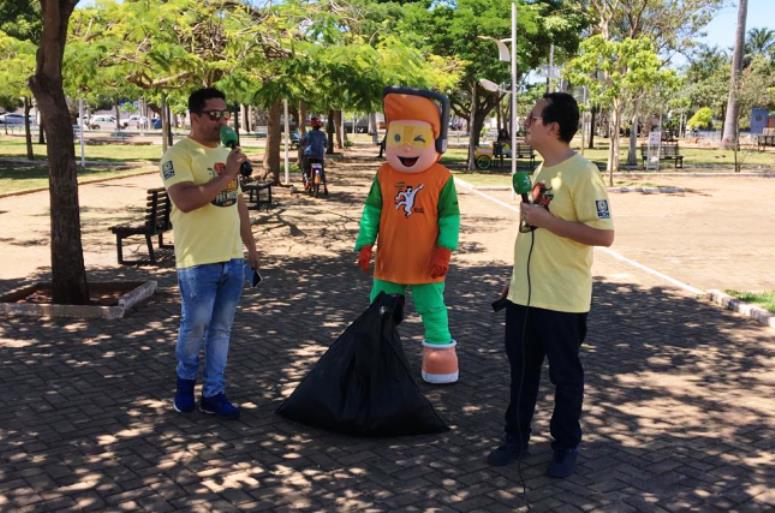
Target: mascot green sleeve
column 412, row 214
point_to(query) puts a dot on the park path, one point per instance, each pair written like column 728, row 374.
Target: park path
column 678, row 415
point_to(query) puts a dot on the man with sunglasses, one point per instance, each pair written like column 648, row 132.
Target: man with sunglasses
column 210, row 223
column 550, row 291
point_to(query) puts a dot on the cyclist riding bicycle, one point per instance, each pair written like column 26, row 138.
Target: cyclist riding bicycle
column 314, row 144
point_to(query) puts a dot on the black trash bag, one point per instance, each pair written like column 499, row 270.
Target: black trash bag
column 363, row 385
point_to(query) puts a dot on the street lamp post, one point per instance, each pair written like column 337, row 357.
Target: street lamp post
column 505, row 55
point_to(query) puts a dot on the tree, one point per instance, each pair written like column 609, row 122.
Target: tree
column 615, row 73
column 454, row 30
column 69, row 284
column 760, row 42
column 730, row 121
column 701, row 119
column 17, row 62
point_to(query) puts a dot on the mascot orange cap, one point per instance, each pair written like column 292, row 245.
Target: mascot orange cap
column 410, row 107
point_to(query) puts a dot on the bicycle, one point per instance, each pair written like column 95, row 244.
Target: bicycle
column 314, row 177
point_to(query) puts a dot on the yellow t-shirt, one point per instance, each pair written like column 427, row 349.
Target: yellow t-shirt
column 560, row 268
column 210, row 233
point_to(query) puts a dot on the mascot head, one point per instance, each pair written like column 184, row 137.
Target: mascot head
column 416, row 128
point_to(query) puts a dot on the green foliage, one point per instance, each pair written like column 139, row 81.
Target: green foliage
column 701, row 119
column 17, row 62
column 21, row 19
column 618, row 70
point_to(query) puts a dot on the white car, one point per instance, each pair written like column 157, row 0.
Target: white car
column 10, row 118
column 105, row 121
column 136, row 120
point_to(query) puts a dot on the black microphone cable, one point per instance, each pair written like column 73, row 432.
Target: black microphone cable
column 522, row 374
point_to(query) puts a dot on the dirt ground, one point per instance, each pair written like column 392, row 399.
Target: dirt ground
column 718, row 233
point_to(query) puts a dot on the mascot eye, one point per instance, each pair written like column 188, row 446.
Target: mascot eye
column 420, row 139
column 397, row 137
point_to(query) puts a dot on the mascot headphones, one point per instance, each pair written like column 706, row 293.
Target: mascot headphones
column 443, row 101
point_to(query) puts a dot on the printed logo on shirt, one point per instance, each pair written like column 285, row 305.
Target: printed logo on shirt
column 228, row 196
column 406, row 198
column 167, row 170
column 602, row 209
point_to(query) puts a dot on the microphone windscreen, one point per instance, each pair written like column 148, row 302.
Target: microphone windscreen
column 228, row 136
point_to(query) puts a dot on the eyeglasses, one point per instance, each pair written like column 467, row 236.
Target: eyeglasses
column 529, row 120
column 216, row 115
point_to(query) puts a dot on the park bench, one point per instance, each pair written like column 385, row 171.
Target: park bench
column 667, row 151
column 485, row 156
column 764, row 140
column 156, row 222
column 259, row 194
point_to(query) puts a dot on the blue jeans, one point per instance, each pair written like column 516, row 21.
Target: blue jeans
column 209, row 296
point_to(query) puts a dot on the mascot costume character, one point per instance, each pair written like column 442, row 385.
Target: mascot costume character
column 412, row 214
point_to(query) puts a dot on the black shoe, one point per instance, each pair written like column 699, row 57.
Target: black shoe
column 563, row 463
column 506, row 453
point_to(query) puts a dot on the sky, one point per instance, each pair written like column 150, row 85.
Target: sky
column 721, row 31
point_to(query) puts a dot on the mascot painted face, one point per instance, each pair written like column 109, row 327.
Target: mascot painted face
column 414, row 124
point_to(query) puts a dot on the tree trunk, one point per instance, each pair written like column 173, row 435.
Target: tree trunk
column 473, row 133
column 246, row 118
column 27, row 130
column 302, row 119
column 632, row 155
column 169, row 124
column 339, row 128
column 374, row 127
column 117, row 108
column 273, row 139
column 729, row 137
column 330, row 129
column 613, row 149
column 592, row 113
column 68, row 273
column 164, row 124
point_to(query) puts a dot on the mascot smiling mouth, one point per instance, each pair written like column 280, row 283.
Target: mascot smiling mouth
column 408, row 161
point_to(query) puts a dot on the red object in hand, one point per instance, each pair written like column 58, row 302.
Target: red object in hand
column 440, row 261
column 364, row 258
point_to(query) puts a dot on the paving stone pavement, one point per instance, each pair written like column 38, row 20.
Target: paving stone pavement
column 678, row 416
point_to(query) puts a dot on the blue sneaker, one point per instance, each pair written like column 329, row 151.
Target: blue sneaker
column 219, row 405
column 184, row 401
column 563, row 463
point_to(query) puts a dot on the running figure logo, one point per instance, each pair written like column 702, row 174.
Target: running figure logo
column 405, row 199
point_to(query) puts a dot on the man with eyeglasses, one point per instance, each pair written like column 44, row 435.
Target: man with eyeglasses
column 550, row 291
column 210, row 223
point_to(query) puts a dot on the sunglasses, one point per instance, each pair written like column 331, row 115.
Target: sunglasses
column 216, row 115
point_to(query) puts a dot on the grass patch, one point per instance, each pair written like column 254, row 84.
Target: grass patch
column 765, row 299
column 15, row 178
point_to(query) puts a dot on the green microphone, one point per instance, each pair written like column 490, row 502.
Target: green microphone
column 229, row 139
column 522, row 185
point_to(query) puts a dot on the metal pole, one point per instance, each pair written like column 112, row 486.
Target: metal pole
column 80, row 123
column 551, row 69
column 513, row 90
column 287, row 139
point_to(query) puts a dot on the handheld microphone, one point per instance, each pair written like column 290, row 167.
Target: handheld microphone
column 522, row 185
column 229, row 139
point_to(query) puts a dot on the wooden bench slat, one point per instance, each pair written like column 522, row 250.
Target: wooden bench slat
column 156, row 221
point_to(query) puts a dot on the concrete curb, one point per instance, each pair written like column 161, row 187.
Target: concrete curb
column 754, row 312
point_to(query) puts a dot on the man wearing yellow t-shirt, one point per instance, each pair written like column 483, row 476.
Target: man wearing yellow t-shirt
column 550, row 291
column 210, row 223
